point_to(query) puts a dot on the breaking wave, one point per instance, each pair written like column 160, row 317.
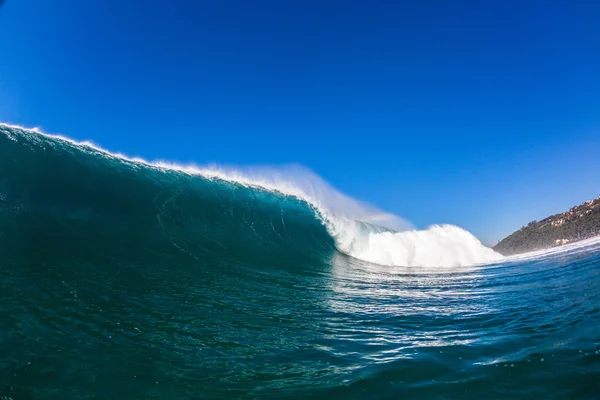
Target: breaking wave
column 282, row 210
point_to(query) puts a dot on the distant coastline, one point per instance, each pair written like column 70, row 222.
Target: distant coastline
column 579, row 223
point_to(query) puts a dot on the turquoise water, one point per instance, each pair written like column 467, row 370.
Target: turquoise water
column 122, row 280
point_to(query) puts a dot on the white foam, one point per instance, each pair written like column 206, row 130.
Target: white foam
column 437, row 246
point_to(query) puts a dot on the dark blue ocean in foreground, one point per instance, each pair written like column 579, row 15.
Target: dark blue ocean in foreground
column 121, row 280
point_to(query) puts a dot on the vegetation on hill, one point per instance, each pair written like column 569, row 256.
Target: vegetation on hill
column 580, row 222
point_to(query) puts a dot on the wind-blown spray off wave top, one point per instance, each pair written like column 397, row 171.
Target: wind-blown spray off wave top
column 122, row 278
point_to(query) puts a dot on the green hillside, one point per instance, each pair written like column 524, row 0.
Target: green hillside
column 580, row 222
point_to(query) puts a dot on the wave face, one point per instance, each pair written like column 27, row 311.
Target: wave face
column 126, row 279
column 94, row 198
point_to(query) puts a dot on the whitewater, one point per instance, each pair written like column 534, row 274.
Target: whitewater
column 359, row 229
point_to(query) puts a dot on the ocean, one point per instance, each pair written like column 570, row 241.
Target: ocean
column 124, row 279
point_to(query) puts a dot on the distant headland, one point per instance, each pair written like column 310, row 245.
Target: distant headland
column 580, row 222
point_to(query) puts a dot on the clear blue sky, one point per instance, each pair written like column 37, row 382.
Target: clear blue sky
column 484, row 114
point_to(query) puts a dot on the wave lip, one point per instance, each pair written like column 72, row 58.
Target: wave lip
column 347, row 220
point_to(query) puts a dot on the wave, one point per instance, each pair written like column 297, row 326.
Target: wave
column 278, row 210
